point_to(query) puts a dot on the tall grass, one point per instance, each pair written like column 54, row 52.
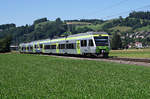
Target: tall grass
column 131, row 53
column 45, row 77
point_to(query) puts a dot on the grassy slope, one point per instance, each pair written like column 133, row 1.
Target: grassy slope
column 132, row 53
column 121, row 28
column 144, row 28
column 34, row 76
column 97, row 27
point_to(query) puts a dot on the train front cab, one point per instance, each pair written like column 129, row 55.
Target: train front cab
column 102, row 44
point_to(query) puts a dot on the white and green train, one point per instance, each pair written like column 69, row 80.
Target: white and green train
column 90, row 43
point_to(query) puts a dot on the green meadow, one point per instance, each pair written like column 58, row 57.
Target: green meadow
column 25, row 76
column 131, row 53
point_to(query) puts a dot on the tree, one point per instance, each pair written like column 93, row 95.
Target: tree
column 40, row 20
column 5, row 44
column 140, row 15
column 7, row 26
column 83, row 29
column 116, row 41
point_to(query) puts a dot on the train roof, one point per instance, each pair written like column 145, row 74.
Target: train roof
column 74, row 35
column 87, row 33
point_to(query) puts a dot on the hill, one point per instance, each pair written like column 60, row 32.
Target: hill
column 43, row 28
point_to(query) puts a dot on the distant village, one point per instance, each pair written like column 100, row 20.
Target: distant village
column 137, row 36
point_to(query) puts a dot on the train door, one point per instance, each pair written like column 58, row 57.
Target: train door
column 43, row 48
column 57, row 47
column 78, row 47
column 84, row 48
column 66, row 47
column 91, row 47
column 38, row 47
column 34, row 48
column 26, row 48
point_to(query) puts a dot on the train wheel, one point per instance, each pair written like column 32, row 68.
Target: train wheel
column 105, row 55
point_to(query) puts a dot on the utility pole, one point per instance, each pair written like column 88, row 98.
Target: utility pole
column 68, row 28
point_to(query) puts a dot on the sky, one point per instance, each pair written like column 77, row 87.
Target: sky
column 22, row 12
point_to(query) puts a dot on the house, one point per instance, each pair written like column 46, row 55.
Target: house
column 13, row 48
column 138, row 45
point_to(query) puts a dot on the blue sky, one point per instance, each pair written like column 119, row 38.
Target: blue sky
column 23, row 12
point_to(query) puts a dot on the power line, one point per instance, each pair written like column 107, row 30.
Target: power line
column 147, row 6
column 115, row 5
column 121, row 13
column 109, row 7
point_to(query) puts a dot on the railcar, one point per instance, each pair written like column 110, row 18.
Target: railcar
column 90, row 43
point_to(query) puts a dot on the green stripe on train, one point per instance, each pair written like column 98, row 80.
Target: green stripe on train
column 106, row 48
column 57, row 49
column 33, row 47
column 78, row 47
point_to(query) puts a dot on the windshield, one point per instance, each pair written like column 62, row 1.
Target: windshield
column 101, row 41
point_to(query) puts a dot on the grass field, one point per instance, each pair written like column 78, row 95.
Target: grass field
column 44, row 77
column 131, row 53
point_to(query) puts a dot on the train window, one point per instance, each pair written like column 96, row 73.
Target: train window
column 41, row 46
column 24, row 48
column 101, row 41
column 70, row 46
column 35, row 46
column 83, row 43
column 61, row 46
column 27, row 48
column 31, row 48
column 67, row 46
column 50, row 46
column 47, row 46
column 53, row 46
column 91, row 43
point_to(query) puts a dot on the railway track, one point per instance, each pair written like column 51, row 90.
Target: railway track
column 132, row 61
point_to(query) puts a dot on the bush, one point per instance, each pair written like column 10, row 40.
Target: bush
column 5, row 44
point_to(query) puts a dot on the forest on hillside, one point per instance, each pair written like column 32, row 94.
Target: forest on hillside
column 43, row 28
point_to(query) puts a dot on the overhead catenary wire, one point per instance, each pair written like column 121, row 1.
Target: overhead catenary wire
column 120, row 13
column 125, row 12
column 114, row 5
column 106, row 8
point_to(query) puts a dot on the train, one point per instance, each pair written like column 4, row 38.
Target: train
column 89, row 43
